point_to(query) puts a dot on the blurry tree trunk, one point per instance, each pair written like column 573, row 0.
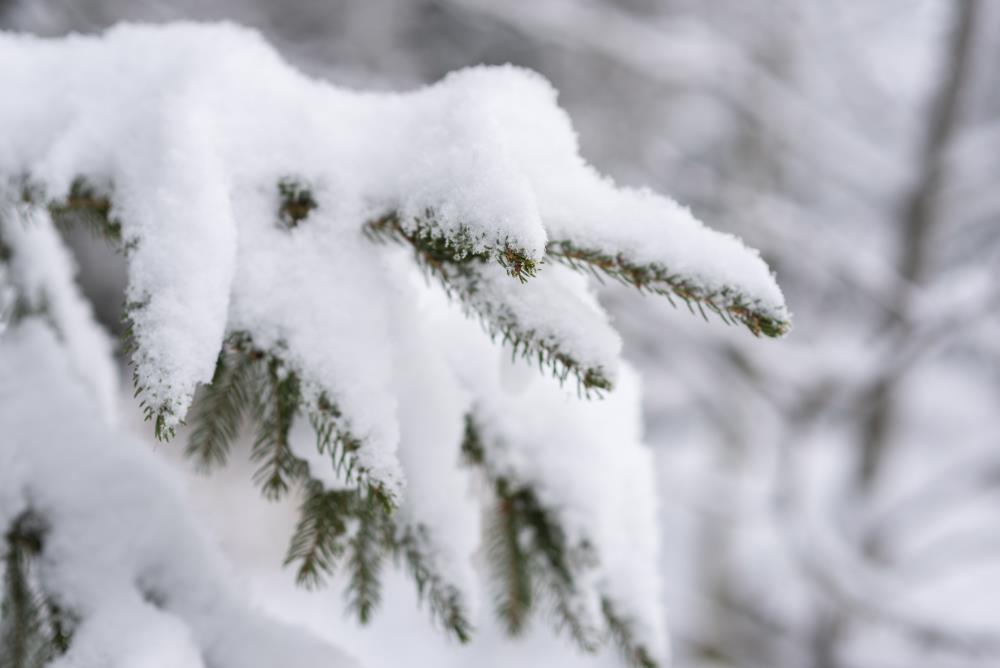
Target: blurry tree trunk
column 918, row 218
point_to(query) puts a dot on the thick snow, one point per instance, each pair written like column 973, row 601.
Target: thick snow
column 577, row 204
column 150, row 588
column 190, row 128
column 585, row 460
column 432, row 409
column 559, row 311
column 194, row 125
column 41, row 273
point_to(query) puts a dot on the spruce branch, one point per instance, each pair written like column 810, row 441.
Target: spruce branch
column 336, row 441
column 445, row 601
column 279, row 468
column 529, row 553
column 366, row 553
column 635, row 654
column 22, row 636
column 333, row 435
column 61, row 625
column 530, row 345
column 514, row 596
column 221, row 406
column 161, row 414
column 34, row 630
column 548, row 554
column 460, row 269
column 259, row 387
column 511, row 574
column 85, row 205
column 33, row 306
column 727, row 302
column 252, row 383
column 473, row 449
column 320, row 534
column 357, row 527
column 17, row 301
column 89, row 207
column 297, row 201
column 437, row 250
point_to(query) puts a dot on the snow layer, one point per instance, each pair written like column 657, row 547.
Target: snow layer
column 149, row 587
column 585, row 461
column 190, row 128
column 432, row 410
column 577, row 204
column 41, row 275
column 194, row 125
column 557, row 309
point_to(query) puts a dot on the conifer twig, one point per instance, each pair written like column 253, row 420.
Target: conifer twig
column 727, row 302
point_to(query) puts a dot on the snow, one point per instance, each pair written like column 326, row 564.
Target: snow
column 589, row 464
column 316, row 296
column 585, row 461
column 198, row 123
column 189, row 129
column 576, row 203
column 150, row 588
column 41, row 272
column 432, row 420
column 558, row 308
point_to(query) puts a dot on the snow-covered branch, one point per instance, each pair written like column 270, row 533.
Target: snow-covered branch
column 246, row 198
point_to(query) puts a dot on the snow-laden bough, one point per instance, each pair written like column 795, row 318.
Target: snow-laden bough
column 270, row 222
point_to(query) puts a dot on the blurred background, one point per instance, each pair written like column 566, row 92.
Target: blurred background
column 831, row 500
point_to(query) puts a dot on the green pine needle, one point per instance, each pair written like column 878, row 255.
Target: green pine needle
column 634, row 654
column 34, row 630
column 437, row 251
column 221, row 407
column 727, row 303
column 297, row 202
column 445, row 601
column 530, row 556
column 279, row 468
column 320, row 535
column 458, row 266
column 364, row 561
column 158, row 414
column 509, row 561
column 89, row 207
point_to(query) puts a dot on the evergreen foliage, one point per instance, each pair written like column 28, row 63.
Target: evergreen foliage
column 532, row 561
column 151, row 412
column 454, row 262
column 353, row 525
column 437, row 251
column 364, row 561
column 17, row 303
column 321, row 534
column 410, row 545
column 356, row 528
column 85, row 205
column 33, row 628
column 89, row 207
column 457, row 260
column 297, row 202
column 622, row 633
column 223, row 405
column 727, row 303
column 272, row 448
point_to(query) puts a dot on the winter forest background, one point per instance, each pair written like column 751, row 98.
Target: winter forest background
column 831, row 499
